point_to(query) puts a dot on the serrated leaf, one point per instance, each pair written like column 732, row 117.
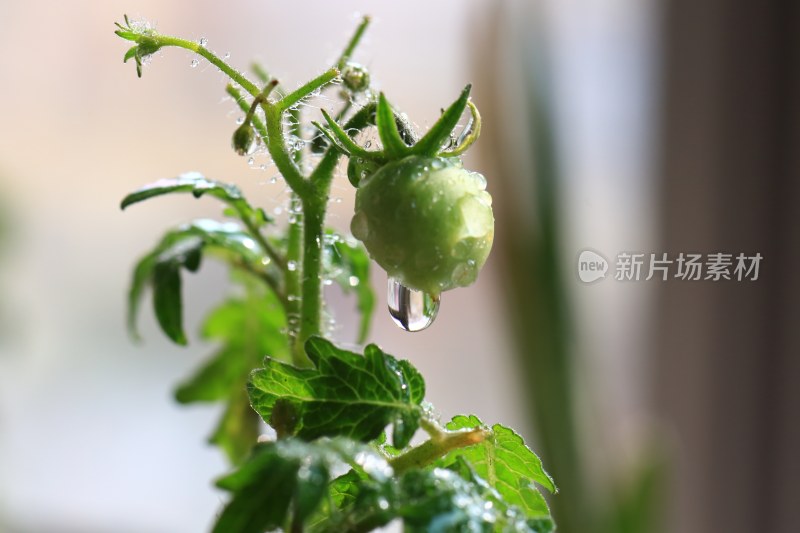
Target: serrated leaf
column 507, row 464
column 345, row 394
column 347, row 263
column 288, row 474
column 198, row 185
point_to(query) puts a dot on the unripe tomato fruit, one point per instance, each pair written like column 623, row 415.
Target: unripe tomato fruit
column 427, row 221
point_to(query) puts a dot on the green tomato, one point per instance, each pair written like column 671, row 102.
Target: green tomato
column 427, row 221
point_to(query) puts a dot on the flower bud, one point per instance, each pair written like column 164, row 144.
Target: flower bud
column 355, row 77
column 244, row 139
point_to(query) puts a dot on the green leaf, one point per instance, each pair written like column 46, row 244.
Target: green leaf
column 183, row 247
column 288, row 474
column 345, row 394
column 199, row 185
column 507, row 464
column 431, row 501
column 167, row 300
column 346, row 262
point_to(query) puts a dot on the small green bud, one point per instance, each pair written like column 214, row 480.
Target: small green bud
column 244, row 139
column 355, row 77
column 148, row 46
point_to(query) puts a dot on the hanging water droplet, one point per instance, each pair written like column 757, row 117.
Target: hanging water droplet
column 411, row 310
column 194, row 63
column 251, row 160
column 203, row 41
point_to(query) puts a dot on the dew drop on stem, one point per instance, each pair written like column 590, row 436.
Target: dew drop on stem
column 194, row 63
column 411, row 310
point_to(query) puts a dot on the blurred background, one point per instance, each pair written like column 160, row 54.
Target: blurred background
column 611, row 125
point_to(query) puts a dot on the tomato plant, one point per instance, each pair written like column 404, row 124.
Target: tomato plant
column 341, row 457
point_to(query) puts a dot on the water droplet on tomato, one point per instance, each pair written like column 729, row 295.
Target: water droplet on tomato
column 411, row 310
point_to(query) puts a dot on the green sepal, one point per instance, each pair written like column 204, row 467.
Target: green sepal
column 130, row 53
column 393, row 145
column 431, row 143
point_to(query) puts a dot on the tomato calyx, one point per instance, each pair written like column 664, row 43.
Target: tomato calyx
column 439, row 141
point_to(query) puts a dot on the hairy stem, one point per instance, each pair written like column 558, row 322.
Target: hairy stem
column 235, row 75
column 353, row 43
column 294, row 254
column 314, row 208
column 291, row 99
column 276, row 146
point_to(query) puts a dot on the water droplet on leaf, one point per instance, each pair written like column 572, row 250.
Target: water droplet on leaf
column 411, row 310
